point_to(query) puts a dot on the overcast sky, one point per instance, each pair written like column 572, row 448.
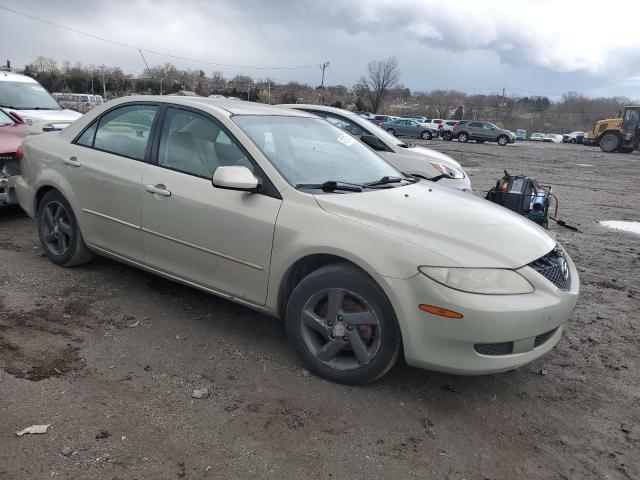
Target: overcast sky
column 528, row 47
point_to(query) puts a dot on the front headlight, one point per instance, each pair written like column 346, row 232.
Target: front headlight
column 27, row 121
column 487, row 281
column 447, row 171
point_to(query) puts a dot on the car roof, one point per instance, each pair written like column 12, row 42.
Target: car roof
column 6, row 76
column 232, row 107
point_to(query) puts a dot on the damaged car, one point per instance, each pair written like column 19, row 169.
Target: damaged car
column 283, row 212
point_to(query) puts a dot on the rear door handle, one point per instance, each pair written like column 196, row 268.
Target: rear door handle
column 71, row 161
column 158, row 189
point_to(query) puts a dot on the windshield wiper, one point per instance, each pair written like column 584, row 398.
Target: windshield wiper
column 387, row 180
column 331, row 186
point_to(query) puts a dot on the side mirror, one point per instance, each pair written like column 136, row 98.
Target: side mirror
column 373, row 142
column 235, row 177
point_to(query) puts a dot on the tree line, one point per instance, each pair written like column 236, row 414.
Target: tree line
column 379, row 91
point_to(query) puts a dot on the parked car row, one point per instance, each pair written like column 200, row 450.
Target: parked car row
column 298, row 217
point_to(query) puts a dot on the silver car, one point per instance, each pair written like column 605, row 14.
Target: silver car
column 283, row 212
column 407, row 127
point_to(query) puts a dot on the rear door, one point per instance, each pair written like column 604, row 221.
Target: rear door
column 217, row 239
column 104, row 166
column 475, row 130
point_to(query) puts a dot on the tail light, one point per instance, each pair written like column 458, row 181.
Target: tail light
column 20, row 153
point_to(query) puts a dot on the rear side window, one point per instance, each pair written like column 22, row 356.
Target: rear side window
column 86, row 139
column 125, row 131
column 475, row 124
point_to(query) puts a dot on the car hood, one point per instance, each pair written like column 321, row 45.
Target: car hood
column 450, row 228
column 431, row 155
column 50, row 117
column 11, row 137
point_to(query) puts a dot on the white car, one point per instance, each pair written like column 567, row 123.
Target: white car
column 552, row 138
column 25, row 99
column 537, row 137
column 279, row 210
column 410, row 159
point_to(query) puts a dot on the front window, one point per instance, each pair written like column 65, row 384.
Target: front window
column 312, row 151
column 26, row 96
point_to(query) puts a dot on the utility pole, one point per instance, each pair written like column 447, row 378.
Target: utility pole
column 323, row 67
column 501, row 107
column 104, row 87
column 269, row 90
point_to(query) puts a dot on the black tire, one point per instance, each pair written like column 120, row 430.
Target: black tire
column 391, row 131
column 609, row 142
column 447, row 136
column 573, row 140
column 426, row 135
column 59, row 233
column 335, row 291
column 503, row 140
column 463, row 137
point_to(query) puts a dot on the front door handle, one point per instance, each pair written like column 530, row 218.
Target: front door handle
column 158, row 189
column 71, row 161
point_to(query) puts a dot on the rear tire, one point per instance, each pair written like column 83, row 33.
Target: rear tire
column 446, row 136
column 59, row 232
column 463, row 137
column 342, row 326
column 609, row 142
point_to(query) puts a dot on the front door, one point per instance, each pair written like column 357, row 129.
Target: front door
column 104, row 167
column 215, row 238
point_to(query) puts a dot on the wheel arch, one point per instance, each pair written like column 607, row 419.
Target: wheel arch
column 303, row 267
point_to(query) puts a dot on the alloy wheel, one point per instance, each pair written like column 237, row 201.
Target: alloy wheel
column 56, row 227
column 340, row 329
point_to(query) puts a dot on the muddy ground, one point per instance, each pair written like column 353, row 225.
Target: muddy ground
column 118, row 396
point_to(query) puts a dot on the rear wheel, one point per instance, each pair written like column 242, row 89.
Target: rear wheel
column 446, row 136
column 59, row 232
column 426, row 135
column 609, row 142
column 463, row 137
column 503, row 140
column 342, row 325
column 391, row 131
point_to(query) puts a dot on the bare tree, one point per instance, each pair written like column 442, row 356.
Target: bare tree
column 381, row 76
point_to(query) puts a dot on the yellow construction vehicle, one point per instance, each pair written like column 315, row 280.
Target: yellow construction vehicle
column 592, row 137
column 625, row 137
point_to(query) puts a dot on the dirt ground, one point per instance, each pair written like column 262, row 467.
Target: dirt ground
column 117, row 393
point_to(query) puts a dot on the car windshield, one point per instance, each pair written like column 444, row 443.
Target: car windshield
column 26, row 96
column 313, row 151
column 5, row 119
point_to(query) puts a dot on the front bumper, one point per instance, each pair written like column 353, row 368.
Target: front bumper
column 532, row 323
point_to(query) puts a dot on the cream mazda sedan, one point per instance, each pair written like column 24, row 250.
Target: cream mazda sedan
column 286, row 213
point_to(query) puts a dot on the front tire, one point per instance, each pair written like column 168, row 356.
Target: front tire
column 446, row 136
column 609, row 142
column 426, row 135
column 59, row 233
column 463, row 137
column 342, row 325
column 503, row 140
column 573, row 140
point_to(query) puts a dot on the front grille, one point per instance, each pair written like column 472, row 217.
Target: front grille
column 543, row 337
column 494, row 349
column 554, row 267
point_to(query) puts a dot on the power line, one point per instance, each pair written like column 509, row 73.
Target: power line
column 163, row 54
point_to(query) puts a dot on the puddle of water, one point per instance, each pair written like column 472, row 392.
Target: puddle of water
column 633, row 227
column 584, row 165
